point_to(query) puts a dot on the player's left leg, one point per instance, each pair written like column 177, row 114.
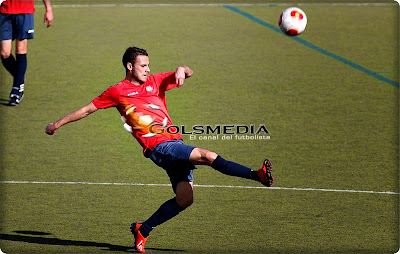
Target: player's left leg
column 173, row 156
column 171, row 208
column 21, row 49
column 22, row 31
column 168, row 210
column 201, row 156
column 21, row 64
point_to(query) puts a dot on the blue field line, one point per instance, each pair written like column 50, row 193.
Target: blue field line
column 314, row 47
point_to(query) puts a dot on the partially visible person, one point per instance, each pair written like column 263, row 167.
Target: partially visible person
column 17, row 23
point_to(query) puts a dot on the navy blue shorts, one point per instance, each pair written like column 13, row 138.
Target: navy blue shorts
column 173, row 156
column 16, row 26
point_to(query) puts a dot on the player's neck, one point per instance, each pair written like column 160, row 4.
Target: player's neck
column 133, row 81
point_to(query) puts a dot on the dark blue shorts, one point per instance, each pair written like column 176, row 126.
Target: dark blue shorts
column 173, row 156
column 16, row 26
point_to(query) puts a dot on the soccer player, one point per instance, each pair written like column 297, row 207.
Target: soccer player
column 141, row 102
column 16, row 23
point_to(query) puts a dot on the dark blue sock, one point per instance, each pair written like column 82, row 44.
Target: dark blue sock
column 10, row 64
column 167, row 211
column 21, row 65
column 231, row 168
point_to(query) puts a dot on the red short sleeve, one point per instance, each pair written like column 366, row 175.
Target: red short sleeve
column 166, row 81
column 109, row 98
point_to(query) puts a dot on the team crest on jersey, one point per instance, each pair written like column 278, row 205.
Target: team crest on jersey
column 149, row 88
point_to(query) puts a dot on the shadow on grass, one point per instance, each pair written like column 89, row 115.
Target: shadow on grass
column 37, row 237
column 4, row 102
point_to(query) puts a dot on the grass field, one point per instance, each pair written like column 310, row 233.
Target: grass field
column 329, row 99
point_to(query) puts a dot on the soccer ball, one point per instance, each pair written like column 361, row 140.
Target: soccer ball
column 293, row 21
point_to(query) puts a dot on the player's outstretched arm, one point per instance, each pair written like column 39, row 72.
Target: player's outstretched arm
column 71, row 117
column 182, row 73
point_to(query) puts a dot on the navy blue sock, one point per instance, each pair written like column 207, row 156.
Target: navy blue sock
column 167, row 211
column 10, row 64
column 21, row 65
column 231, row 168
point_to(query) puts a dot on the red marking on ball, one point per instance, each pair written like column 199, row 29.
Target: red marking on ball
column 292, row 32
column 296, row 14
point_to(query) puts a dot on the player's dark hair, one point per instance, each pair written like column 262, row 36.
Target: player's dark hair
column 130, row 55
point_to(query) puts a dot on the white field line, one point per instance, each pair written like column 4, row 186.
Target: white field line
column 216, row 5
column 204, row 186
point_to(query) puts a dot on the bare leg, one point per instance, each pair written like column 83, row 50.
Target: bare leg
column 7, row 58
column 6, row 47
column 184, row 194
column 21, row 46
column 201, row 156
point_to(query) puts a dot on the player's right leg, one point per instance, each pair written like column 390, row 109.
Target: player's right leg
column 201, row 156
column 7, row 58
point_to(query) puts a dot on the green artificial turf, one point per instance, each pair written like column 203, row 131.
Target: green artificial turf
column 331, row 126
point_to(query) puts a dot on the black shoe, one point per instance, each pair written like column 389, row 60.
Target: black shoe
column 17, row 93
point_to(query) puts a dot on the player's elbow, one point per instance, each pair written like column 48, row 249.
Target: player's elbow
column 88, row 109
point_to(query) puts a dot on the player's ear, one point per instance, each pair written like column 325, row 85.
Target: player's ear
column 129, row 66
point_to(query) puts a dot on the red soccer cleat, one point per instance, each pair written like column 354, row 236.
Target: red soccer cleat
column 139, row 239
column 265, row 173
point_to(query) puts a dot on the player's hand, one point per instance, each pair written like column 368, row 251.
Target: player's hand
column 48, row 18
column 50, row 129
column 180, row 76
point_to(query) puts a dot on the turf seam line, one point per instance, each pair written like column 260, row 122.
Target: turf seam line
column 203, row 186
column 314, row 47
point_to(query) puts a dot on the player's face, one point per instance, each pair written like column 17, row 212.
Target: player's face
column 141, row 69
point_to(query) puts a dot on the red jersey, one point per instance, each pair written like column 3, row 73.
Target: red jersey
column 17, row 7
column 143, row 108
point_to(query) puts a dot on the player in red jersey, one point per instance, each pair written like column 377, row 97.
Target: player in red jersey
column 140, row 100
column 16, row 23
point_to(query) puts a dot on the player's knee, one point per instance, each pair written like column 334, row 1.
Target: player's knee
column 21, row 47
column 209, row 157
column 184, row 194
column 184, row 202
column 5, row 55
column 201, row 156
